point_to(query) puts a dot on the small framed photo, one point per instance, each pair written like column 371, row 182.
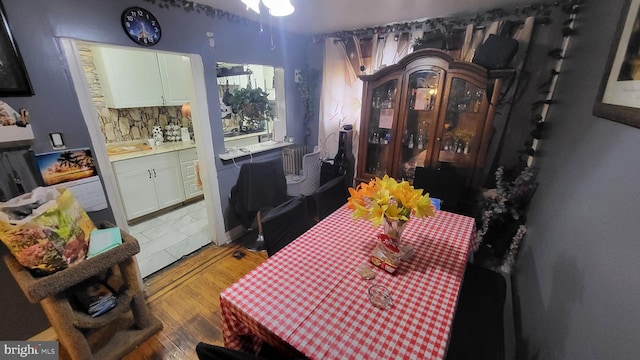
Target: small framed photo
column 14, row 80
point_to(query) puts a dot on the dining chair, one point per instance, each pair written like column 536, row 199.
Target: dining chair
column 330, row 196
column 478, row 325
column 206, row 351
column 285, row 223
column 260, row 187
column 442, row 183
column 309, row 179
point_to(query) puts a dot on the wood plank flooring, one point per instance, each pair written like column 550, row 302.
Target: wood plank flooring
column 185, row 298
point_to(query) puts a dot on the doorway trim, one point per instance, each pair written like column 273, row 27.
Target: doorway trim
column 202, row 134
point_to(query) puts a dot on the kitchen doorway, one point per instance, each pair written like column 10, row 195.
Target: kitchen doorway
column 158, row 249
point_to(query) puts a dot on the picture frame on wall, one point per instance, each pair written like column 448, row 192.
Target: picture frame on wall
column 619, row 93
column 14, row 80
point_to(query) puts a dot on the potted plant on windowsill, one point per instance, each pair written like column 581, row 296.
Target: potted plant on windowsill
column 253, row 108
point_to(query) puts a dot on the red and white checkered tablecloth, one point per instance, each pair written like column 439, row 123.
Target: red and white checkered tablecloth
column 310, row 296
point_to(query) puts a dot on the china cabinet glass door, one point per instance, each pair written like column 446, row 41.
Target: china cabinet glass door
column 423, row 88
column 463, row 124
column 380, row 132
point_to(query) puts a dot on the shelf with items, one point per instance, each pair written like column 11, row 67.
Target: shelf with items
column 110, row 336
column 379, row 138
column 442, row 113
column 82, row 320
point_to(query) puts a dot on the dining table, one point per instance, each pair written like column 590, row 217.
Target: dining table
column 309, row 299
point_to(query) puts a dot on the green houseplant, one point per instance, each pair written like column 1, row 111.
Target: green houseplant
column 252, row 106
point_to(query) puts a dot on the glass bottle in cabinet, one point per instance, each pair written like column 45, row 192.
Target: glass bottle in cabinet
column 463, row 124
column 420, row 118
column 380, row 128
column 426, row 110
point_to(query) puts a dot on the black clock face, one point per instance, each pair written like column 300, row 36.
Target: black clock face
column 141, row 26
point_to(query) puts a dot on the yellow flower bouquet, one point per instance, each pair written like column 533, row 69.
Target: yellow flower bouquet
column 386, row 198
column 390, row 203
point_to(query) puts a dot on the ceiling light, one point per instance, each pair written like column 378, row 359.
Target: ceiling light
column 279, row 7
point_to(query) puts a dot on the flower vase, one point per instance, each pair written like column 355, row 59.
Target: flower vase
column 393, row 230
column 389, row 252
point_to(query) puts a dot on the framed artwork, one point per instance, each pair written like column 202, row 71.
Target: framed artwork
column 13, row 75
column 67, row 165
column 619, row 93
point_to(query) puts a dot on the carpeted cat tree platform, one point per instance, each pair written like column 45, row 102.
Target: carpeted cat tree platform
column 109, row 336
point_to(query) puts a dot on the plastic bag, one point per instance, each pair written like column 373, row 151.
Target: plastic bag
column 46, row 230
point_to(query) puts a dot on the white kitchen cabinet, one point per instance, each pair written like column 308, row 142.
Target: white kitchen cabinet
column 137, row 78
column 175, row 73
column 149, row 183
column 188, row 159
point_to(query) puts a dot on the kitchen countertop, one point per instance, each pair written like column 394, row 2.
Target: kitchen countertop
column 159, row 149
column 178, row 145
column 253, row 149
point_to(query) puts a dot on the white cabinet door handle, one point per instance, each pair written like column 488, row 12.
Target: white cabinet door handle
column 149, row 171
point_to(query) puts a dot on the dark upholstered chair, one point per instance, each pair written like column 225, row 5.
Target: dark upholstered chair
column 478, row 325
column 285, row 223
column 443, row 183
column 213, row 352
column 260, row 186
column 330, row 197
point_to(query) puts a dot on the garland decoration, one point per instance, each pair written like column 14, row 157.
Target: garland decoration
column 307, row 85
column 514, row 248
column 540, row 108
column 191, row 6
column 450, row 25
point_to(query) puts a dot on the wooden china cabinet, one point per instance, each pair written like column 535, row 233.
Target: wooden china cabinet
column 427, row 110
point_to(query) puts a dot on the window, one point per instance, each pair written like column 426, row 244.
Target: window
column 242, row 124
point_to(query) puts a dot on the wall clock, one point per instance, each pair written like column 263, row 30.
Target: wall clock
column 141, row 26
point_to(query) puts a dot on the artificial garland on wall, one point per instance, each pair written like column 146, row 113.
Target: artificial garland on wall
column 307, row 84
column 539, row 108
column 448, row 26
column 504, row 211
column 207, row 10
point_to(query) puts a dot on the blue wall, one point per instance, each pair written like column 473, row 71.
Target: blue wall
column 36, row 25
column 578, row 274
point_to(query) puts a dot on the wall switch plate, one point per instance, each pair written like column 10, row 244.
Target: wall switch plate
column 56, row 140
column 297, row 76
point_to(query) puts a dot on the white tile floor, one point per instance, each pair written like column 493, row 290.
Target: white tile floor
column 168, row 237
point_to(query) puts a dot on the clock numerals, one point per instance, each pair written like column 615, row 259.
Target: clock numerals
column 141, row 26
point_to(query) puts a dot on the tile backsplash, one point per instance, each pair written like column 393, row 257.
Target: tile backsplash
column 130, row 124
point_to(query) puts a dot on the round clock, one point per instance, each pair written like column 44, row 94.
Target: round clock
column 141, row 26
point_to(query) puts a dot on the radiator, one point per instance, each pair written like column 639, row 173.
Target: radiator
column 292, row 159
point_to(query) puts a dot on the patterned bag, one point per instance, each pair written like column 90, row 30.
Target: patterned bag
column 46, row 230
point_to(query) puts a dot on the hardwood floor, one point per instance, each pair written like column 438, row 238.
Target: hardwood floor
column 185, row 298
